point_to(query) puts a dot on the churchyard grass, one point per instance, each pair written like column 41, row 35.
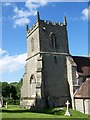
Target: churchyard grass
column 14, row 111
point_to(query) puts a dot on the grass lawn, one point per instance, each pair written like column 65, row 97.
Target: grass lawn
column 14, row 111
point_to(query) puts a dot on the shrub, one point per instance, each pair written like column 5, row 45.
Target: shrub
column 17, row 102
column 11, row 101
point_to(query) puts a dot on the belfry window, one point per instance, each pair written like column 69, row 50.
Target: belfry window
column 32, row 44
column 53, row 40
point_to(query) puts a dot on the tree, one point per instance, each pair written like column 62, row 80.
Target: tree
column 5, row 89
column 0, row 88
column 11, row 92
column 18, row 88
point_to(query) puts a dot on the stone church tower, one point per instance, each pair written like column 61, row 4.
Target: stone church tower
column 45, row 82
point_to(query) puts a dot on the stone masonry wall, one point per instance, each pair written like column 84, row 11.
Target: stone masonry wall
column 55, row 79
column 61, row 38
column 46, row 76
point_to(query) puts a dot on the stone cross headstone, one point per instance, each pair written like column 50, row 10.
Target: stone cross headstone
column 6, row 105
column 67, row 111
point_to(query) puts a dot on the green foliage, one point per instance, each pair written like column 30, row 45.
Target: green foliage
column 14, row 111
column 5, row 89
column 0, row 89
column 12, row 101
column 55, row 111
column 11, row 92
column 18, row 88
column 17, row 102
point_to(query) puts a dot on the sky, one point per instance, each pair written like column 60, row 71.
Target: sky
column 15, row 15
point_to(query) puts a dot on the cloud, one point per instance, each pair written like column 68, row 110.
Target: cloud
column 2, row 52
column 21, row 17
column 6, row 4
column 20, row 13
column 11, row 63
column 34, row 5
column 86, row 13
column 21, row 22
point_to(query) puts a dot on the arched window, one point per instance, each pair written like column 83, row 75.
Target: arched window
column 32, row 44
column 32, row 86
column 53, row 40
column 32, row 79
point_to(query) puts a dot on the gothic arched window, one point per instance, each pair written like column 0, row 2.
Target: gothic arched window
column 53, row 40
column 32, row 44
column 32, row 86
column 32, row 79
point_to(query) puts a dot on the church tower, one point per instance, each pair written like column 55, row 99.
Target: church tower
column 45, row 80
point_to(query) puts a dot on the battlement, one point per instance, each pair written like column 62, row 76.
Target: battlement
column 47, row 22
column 32, row 28
column 52, row 23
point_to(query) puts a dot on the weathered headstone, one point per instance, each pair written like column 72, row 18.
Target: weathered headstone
column 0, row 104
column 6, row 105
column 67, row 111
column 1, row 101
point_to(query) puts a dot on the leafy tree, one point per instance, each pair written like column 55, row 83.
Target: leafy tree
column 19, row 88
column 0, row 89
column 11, row 92
column 5, row 89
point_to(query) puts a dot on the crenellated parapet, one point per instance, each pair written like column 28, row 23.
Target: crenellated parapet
column 32, row 29
column 43, row 22
column 53, row 23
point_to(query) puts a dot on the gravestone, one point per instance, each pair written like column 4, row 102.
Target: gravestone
column 6, row 105
column 1, row 101
column 67, row 113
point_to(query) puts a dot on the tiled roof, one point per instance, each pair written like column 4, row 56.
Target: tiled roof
column 84, row 90
column 83, row 65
